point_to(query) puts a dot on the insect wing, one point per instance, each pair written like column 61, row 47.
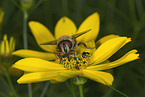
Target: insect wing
column 81, row 33
column 50, row 43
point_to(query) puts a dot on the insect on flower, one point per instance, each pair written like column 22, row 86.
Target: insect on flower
column 85, row 64
column 67, row 44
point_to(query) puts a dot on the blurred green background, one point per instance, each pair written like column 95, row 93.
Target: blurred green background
column 119, row 17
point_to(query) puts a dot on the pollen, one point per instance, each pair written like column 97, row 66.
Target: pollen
column 77, row 62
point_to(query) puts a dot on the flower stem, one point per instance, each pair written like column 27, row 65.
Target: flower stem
column 10, row 83
column 44, row 89
column 25, row 17
column 73, row 90
column 25, row 42
column 30, row 90
column 81, row 90
column 118, row 91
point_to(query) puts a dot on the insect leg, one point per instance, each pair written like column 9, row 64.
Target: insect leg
column 76, row 45
column 59, row 56
column 68, row 56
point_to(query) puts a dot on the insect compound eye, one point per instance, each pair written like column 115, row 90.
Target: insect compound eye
column 85, row 54
column 65, row 42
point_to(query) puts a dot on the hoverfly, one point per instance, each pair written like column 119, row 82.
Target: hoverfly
column 67, row 44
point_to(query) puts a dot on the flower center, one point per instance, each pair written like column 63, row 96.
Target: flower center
column 78, row 62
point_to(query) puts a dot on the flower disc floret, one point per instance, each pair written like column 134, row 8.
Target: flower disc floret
column 76, row 63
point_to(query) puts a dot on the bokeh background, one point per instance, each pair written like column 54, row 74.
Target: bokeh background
column 119, row 17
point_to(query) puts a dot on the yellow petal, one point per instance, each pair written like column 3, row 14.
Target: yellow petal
column 105, row 38
column 63, row 76
column 42, row 35
column 108, row 48
column 35, row 54
column 12, row 44
column 5, row 37
column 2, row 48
column 37, row 77
column 65, row 26
column 99, row 76
column 36, row 65
column 6, row 45
column 93, row 23
column 130, row 56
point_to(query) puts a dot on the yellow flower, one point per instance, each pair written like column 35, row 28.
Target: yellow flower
column 89, row 65
column 64, row 26
column 7, row 47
